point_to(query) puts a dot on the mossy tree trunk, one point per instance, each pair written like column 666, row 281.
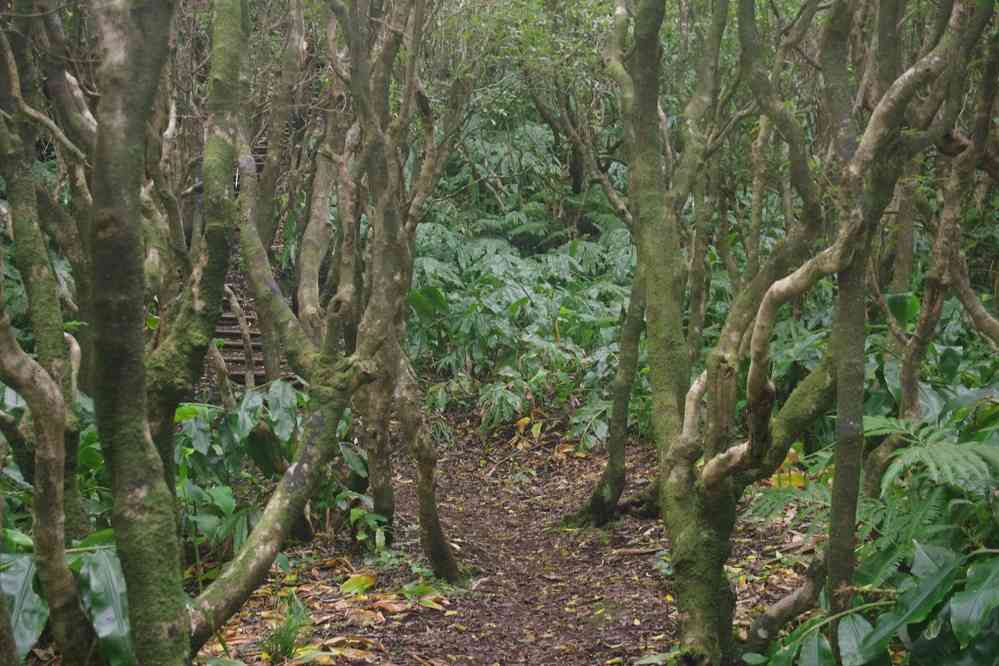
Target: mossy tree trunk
column 602, row 505
column 46, row 382
column 174, row 362
column 848, row 345
column 19, row 84
column 133, row 47
column 394, row 208
column 40, row 387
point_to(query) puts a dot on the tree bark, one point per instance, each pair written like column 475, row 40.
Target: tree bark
column 602, row 505
column 331, row 386
column 133, row 44
column 70, row 628
column 419, row 440
column 848, row 343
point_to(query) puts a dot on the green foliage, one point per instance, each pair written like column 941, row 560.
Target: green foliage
column 216, row 518
column 101, row 581
column 28, row 611
column 514, row 331
column 102, row 590
column 284, row 637
column 930, row 537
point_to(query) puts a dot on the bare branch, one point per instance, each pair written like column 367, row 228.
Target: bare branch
column 40, row 118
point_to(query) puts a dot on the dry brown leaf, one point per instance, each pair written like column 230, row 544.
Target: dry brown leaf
column 359, row 642
column 364, row 618
column 392, row 607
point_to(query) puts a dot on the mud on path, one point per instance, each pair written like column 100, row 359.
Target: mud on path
column 540, row 594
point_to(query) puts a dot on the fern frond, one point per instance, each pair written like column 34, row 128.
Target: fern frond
column 967, row 466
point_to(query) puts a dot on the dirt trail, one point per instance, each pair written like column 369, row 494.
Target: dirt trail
column 541, row 594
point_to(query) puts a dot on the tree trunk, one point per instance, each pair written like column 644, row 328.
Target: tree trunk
column 331, row 385
column 42, row 383
column 375, row 405
column 700, row 528
column 419, row 440
column 602, row 505
column 848, row 343
column 135, row 46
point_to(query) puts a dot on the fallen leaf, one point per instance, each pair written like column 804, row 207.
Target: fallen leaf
column 357, row 584
column 434, row 602
column 331, row 656
column 364, row 618
column 392, row 607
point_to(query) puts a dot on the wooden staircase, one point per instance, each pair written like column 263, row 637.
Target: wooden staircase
column 233, row 349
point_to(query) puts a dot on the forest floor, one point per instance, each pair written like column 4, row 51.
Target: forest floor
column 540, row 593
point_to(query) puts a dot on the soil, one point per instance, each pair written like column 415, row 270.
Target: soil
column 538, row 594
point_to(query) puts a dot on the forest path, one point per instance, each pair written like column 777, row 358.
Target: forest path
column 541, row 594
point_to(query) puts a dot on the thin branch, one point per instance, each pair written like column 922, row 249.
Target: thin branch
column 40, row 118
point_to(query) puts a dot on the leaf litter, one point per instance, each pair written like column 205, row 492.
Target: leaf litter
column 539, row 593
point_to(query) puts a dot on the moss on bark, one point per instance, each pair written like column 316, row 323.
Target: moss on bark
column 602, row 505
column 143, row 515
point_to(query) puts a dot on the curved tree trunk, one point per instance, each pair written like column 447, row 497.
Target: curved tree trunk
column 602, row 505
column 70, row 628
column 44, row 384
column 417, row 437
column 331, row 385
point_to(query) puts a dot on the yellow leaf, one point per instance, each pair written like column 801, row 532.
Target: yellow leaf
column 522, row 423
column 357, row 584
column 433, row 601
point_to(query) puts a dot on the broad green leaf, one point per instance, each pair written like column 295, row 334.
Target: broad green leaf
column 199, row 431
column 904, row 307
column 784, row 656
column 248, row 414
column 102, row 590
column 816, row 651
column 970, row 609
column 914, row 605
column 100, row 538
column 931, row 404
column 427, row 301
column 282, row 405
column 357, row 584
column 754, row 659
column 853, row 631
column 950, row 363
column 28, row 612
column 929, row 559
column 186, row 411
column 282, row 562
column 354, row 460
column 17, row 541
column 983, row 650
column 281, row 395
column 207, row 523
column 223, row 499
